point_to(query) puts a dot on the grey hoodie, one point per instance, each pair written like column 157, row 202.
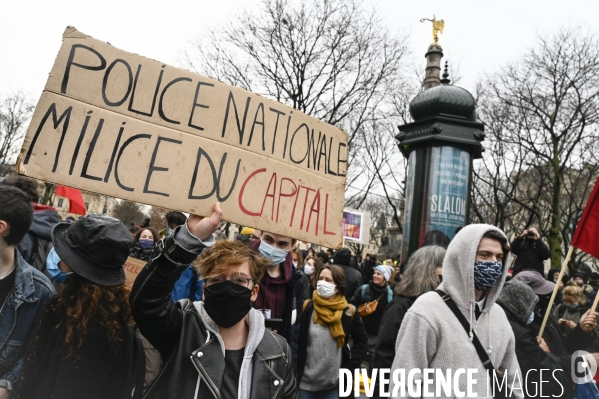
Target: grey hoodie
column 255, row 321
column 432, row 337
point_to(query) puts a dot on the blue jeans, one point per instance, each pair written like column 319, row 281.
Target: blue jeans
column 328, row 394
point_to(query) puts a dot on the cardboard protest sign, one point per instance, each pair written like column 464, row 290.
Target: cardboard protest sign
column 356, row 226
column 133, row 267
column 123, row 125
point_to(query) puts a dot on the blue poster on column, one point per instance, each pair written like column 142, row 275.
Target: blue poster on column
column 446, row 194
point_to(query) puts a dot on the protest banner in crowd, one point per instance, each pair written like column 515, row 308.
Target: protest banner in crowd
column 356, row 226
column 123, row 125
column 133, row 267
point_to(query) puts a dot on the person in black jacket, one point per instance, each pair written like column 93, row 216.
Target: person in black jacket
column 368, row 267
column 518, row 302
column 531, row 251
column 215, row 347
column 143, row 243
column 421, row 275
column 84, row 343
column 582, row 335
column 378, row 290
column 353, row 278
column 328, row 324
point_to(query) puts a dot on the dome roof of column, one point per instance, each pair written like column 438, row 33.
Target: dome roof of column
column 443, row 99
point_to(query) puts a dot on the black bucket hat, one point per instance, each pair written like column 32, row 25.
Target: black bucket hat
column 96, row 247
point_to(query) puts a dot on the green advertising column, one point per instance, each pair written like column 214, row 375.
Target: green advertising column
column 440, row 145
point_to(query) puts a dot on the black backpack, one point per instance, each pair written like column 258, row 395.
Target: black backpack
column 41, row 250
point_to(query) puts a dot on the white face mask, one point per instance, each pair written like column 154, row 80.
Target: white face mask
column 308, row 269
column 294, row 263
column 325, row 289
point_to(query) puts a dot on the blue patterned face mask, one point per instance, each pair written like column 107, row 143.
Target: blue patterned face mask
column 531, row 318
column 486, row 274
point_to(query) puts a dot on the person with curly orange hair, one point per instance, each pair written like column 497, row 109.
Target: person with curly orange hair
column 219, row 347
column 83, row 344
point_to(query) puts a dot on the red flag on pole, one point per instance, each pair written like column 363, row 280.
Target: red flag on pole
column 585, row 236
column 76, row 202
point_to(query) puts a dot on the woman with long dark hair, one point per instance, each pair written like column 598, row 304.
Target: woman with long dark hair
column 83, row 345
column 143, row 243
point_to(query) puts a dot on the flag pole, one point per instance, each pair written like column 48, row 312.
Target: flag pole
column 595, row 302
column 555, row 289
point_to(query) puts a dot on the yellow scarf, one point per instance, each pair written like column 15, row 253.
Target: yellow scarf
column 328, row 312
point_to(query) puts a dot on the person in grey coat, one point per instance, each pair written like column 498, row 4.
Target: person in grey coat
column 431, row 336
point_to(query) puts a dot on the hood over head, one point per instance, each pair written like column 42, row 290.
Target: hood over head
column 550, row 274
column 43, row 222
column 342, row 257
column 582, row 275
column 458, row 267
column 519, row 299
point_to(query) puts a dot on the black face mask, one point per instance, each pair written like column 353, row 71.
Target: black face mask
column 440, row 278
column 226, row 306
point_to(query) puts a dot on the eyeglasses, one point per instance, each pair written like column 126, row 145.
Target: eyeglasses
column 239, row 283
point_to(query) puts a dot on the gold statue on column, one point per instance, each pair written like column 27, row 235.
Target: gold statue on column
column 437, row 28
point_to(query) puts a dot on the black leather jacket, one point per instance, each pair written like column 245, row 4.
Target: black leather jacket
column 187, row 349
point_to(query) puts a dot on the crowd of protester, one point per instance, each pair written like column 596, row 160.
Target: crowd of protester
column 257, row 317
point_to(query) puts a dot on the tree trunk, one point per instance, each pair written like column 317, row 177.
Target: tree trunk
column 554, row 237
column 48, row 194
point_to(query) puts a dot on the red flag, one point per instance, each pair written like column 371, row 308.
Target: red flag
column 76, row 202
column 585, row 236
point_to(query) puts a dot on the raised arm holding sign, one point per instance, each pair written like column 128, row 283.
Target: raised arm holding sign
column 123, row 125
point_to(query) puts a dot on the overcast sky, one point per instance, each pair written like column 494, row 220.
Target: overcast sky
column 479, row 35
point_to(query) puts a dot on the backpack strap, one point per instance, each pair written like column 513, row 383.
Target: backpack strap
column 482, row 354
column 305, row 305
column 561, row 309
